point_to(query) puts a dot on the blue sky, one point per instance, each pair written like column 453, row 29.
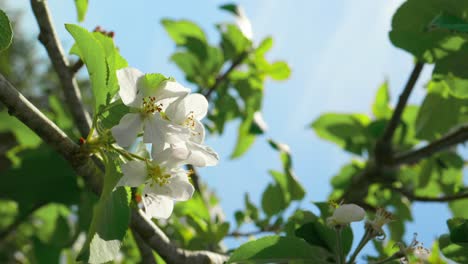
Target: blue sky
column 339, row 52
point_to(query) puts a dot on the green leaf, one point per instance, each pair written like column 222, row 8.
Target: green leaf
column 250, row 209
column 244, row 139
column 180, row 31
column 449, row 22
column 279, row 71
column 274, row 200
column 346, row 130
column 381, row 107
column 81, row 8
column 458, row 230
column 53, row 227
column 24, row 135
column 43, row 176
column 153, row 81
column 264, row 46
column 232, row 8
column 92, row 53
column 318, row 234
column 233, row 41
column 458, row 208
column 111, row 217
column 343, row 178
column 276, row 249
column 455, row 252
column 411, row 28
column 450, row 71
column 6, row 31
column 438, row 113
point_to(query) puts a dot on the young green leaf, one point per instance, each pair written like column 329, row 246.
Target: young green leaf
column 381, row 107
column 81, row 8
column 346, row 130
column 279, row 71
column 182, row 30
column 6, row 32
column 92, row 53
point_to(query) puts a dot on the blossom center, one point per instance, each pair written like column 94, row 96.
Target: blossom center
column 150, row 106
column 158, row 176
column 190, row 121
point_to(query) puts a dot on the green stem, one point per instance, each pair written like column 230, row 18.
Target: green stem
column 339, row 249
column 128, row 155
column 364, row 240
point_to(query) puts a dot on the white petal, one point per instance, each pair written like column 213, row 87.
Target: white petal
column 134, row 174
column 201, row 155
column 171, row 156
column 180, row 110
column 178, row 188
column 198, row 133
column 128, row 81
column 153, row 132
column 169, row 89
column 348, row 213
column 127, row 130
column 157, row 206
column 244, row 24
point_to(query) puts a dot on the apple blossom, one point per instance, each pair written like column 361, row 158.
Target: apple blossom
column 163, row 181
column 145, row 103
column 182, row 130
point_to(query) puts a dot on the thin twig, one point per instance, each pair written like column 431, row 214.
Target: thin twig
column 451, row 139
column 18, row 221
column 32, row 117
column 76, row 66
column 49, row 39
column 225, row 75
column 383, row 146
column 146, row 252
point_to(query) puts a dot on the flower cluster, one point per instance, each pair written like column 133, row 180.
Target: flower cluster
column 168, row 116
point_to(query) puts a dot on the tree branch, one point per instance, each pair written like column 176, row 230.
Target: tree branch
column 157, row 240
column 224, row 76
column 383, row 147
column 451, row 139
column 32, row 117
column 146, row 252
column 49, row 39
column 441, row 199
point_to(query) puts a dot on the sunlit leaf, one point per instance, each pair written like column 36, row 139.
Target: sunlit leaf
column 6, row 31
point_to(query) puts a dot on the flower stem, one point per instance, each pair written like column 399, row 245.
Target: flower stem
column 128, row 155
column 364, row 240
column 339, row 249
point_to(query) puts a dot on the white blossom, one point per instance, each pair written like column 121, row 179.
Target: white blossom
column 163, row 181
column 183, row 131
column 145, row 102
column 345, row 214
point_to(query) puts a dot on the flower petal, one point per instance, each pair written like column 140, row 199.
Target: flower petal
column 157, row 206
column 198, row 133
column 127, row 130
column 128, row 79
column 171, row 156
column 180, row 110
column 201, row 155
column 169, row 89
column 134, row 174
column 178, row 188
